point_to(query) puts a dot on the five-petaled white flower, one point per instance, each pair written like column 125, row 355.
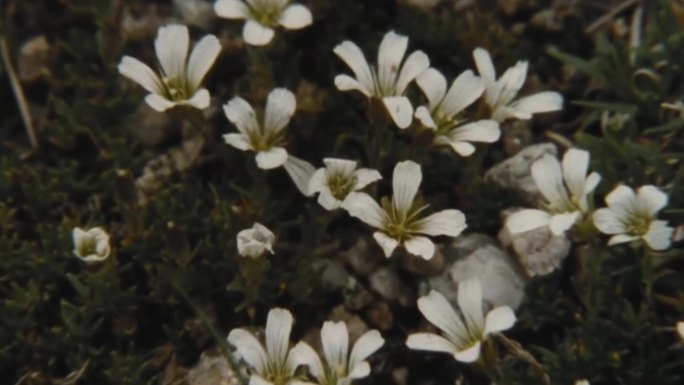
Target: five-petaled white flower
column 255, row 241
column 264, row 137
column 276, row 364
column 341, row 366
column 461, row 339
column 390, row 80
column 566, row 203
column 263, row 16
column 179, row 79
column 399, row 220
column 337, row 179
column 91, row 245
column 631, row 216
column 500, row 94
column 442, row 112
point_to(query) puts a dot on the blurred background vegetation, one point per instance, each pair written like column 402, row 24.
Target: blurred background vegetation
column 175, row 279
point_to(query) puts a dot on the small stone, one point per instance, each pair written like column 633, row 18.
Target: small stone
column 355, row 295
column 34, row 59
column 420, row 266
column 198, row 13
column 140, row 22
column 212, row 369
column 515, row 172
column 380, row 316
column 387, row 284
column 333, row 274
column 477, row 255
column 361, row 258
column 538, row 250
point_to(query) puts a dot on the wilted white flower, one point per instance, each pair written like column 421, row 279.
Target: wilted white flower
column 263, row 16
column 389, row 81
column 337, row 179
column 179, row 79
column 91, row 245
column 462, row 336
column 631, row 216
column 274, row 365
column 341, row 367
column 566, row 202
column 500, row 94
column 442, row 113
column 255, row 241
column 263, row 137
column 399, row 220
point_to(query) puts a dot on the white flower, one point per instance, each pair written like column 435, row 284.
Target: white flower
column 680, row 329
column 462, row 336
column 337, row 179
column 566, row 203
column 390, row 80
column 179, row 79
column 263, row 137
column 255, row 241
column 274, row 365
column 631, row 216
column 91, row 245
column 399, row 220
column 341, row 367
column 500, row 95
column 442, row 113
column 263, row 16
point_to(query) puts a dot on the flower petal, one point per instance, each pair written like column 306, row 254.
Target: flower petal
column 278, row 328
column 172, row 45
column 365, row 176
column 434, row 86
column 335, row 342
column 468, row 355
column 560, row 223
column 272, row 158
column 231, row 9
column 548, row 177
column 249, row 348
column 256, row 34
column 358, row 371
column 351, row 54
column 318, row 181
column 362, row 206
column 158, row 102
column 202, row 58
column 464, row 91
column 391, row 52
column 238, row 141
column 526, row 220
column 607, row 221
column 414, row 65
column 304, row 354
column 256, row 379
column 650, row 200
column 462, row 148
column 485, row 68
column 420, row 246
column 295, row 16
column 623, row 202
column 200, row 100
column 659, row 236
column 430, row 342
column 347, row 83
column 140, row 73
column 547, row 101
column 405, row 182
column 439, row 312
column 425, row 117
column 280, row 107
column 400, row 109
column 387, row 243
column 366, row 345
column 486, row 131
column 575, row 166
column 499, row 319
column 242, row 115
column 621, row 238
column 328, row 201
column 470, row 303
column 512, row 81
column 300, row 171
column 446, row 222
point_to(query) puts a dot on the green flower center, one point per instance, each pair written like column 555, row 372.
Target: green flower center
column 638, row 225
column 177, row 88
column 87, row 247
column 341, row 185
column 401, row 225
column 266, row 13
